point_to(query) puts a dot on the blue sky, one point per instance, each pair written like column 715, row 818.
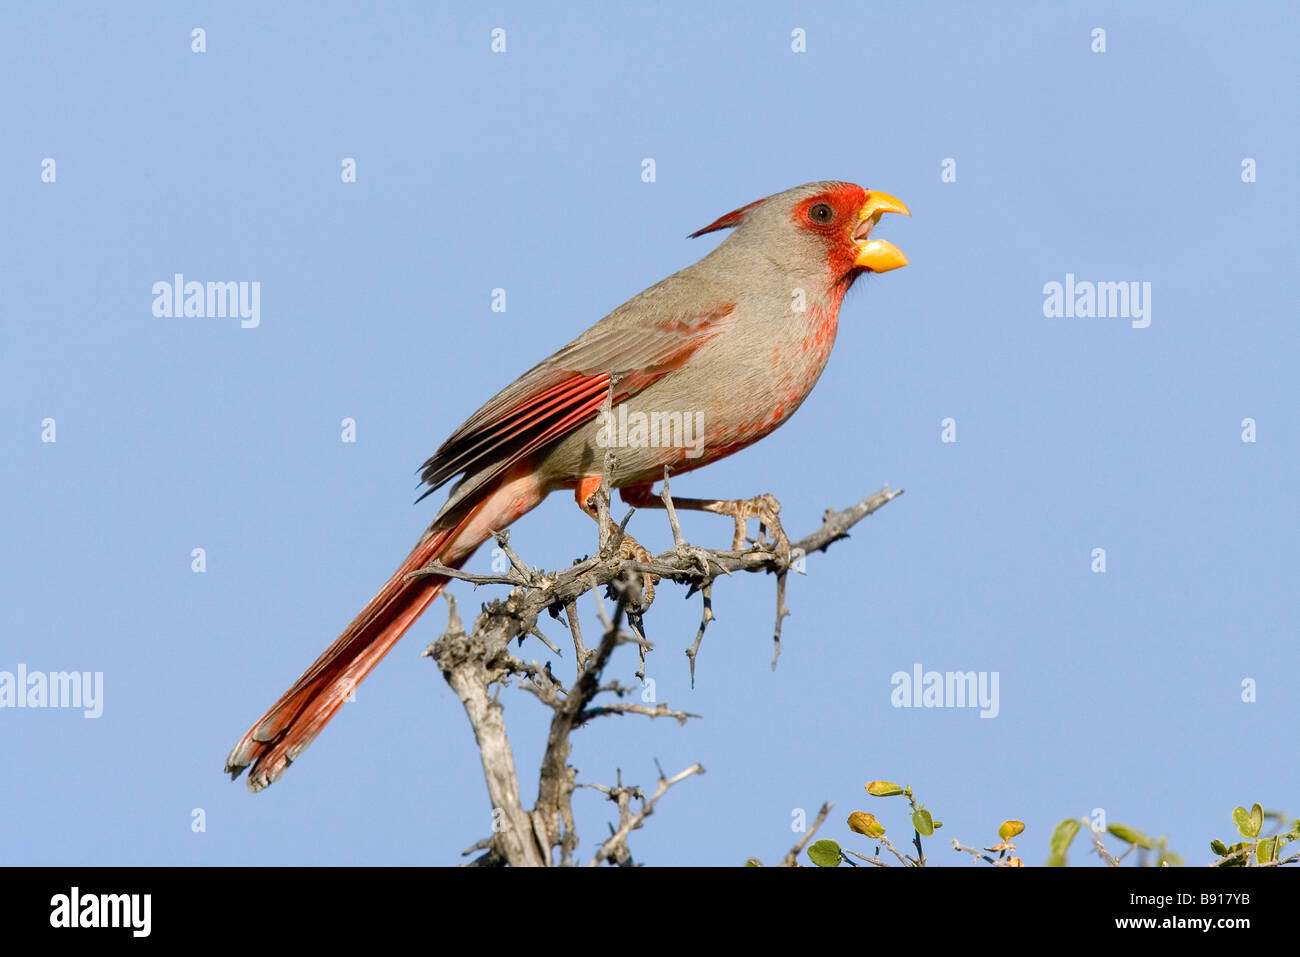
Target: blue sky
column 522, row 170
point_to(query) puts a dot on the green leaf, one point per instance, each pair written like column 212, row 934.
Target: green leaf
column 1060, row 841
column 1009, row 829
column 1218, row 847
column 825, row 853
column 1239, row 860
column 1266, row 850
column 1256, row 819
column 883, row 789
column 1129, row 835
column 1241, row 819
column 923, row 822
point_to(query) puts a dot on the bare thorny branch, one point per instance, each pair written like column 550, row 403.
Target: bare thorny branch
column 472, row 663
column 615, row 849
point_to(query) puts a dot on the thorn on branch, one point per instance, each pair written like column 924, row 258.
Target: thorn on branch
column 706, row 592
column 782, row 611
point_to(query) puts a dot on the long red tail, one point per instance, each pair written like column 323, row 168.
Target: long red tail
column 284, row 732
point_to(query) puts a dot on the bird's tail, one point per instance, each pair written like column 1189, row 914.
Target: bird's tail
column 283, row 733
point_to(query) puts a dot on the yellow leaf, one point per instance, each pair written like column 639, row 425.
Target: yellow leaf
column 883, row 788
column 863, row 823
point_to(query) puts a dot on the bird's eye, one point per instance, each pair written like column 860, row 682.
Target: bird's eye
column 821, row 214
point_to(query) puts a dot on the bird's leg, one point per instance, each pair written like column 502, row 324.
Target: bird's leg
column 629, row 547
column 763, row 507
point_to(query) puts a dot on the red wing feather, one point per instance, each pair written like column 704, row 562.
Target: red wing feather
column 567, row 390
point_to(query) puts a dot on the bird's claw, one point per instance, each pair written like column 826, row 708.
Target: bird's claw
column 767, row 510
column 631, row 549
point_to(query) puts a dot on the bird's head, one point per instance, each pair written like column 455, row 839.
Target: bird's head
column 827, row 223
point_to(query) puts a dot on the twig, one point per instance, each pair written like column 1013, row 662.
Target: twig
column 530, row 575
column 974, row 852
column 679, row 541
column 875, row 861
column 579, row 649
column 631, row 821
column 1100, row 847
column 660, row 710
column 537, row 633
column 791, row 859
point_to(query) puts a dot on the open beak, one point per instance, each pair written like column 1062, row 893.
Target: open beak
column 878, row 255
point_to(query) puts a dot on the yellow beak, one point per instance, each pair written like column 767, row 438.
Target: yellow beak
column 878, row 255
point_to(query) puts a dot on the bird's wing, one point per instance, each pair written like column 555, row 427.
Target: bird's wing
column 567, row 390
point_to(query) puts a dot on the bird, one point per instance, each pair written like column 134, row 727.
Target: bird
column 731, row 344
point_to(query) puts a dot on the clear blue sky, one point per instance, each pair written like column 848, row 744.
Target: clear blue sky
column 522, row 171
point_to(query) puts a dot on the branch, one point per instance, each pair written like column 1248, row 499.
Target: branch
column 660, row 710
column 557, row 779
column 471, row 663
column 615, row 847
column 791, row 859
column 682, row 563
column 1100, row 848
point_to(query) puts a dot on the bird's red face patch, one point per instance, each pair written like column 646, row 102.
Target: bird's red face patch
column 833, row 216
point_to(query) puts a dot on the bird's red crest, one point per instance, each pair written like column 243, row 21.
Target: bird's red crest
column 732, row 218
column 845, row 198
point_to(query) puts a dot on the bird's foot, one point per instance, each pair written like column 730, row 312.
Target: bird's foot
column 631, row 550
column 767, row 510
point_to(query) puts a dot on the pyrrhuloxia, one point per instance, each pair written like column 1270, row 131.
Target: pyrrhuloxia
column 735, row 341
